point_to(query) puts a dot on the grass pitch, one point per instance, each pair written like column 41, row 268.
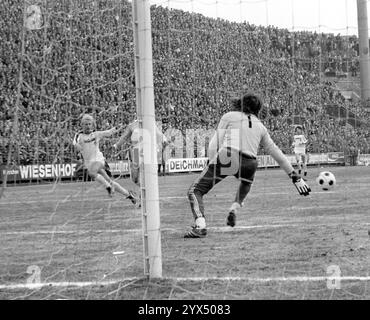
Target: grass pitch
column 71, row 241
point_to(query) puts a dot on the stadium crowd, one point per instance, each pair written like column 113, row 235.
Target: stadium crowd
column 80, row 59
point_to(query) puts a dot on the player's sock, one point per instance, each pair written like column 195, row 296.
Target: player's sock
column 200, row 223
column 101, row 180
column 299, row 171
column 235, row 207
column 120, row 189
column 305, row 174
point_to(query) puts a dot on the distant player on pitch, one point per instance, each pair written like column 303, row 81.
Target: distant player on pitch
column 87, row 143
column 300, row 150
column 232, row 152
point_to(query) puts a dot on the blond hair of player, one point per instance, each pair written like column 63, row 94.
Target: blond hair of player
column 87, row 143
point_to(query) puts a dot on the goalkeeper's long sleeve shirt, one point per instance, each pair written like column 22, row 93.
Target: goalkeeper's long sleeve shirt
column 245, row 133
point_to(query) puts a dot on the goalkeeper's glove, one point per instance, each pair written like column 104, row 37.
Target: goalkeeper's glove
column 300, row 184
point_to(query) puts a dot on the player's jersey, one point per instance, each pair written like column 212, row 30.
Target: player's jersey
column 132, row 135
column 244, row 133
column 134, row 130
column 88, row 144
column 300, row 144
column 135, row 133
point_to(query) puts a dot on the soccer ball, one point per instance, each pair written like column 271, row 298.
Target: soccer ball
column 326, row 180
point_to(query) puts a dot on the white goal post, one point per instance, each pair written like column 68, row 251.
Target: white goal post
column 148, row 157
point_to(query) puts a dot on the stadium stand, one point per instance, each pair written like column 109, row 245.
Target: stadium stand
column 199, row 65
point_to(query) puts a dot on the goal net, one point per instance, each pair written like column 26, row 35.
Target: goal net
column 63, row 59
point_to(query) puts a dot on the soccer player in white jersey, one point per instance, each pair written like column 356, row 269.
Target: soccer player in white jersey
column 132, row 137
column 232, row 152
column 87, row 143
column 299, row 144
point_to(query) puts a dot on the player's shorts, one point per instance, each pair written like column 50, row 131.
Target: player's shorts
column 91, row 164
column 300, row 150
column 302, row 156
column 229, row 162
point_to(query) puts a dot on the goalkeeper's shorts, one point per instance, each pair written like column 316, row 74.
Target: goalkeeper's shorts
column 229, row 162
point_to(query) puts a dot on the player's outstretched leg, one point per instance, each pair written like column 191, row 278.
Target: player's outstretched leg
column 241, row 194
column 113, row 186
column 97, row 172
column 104, row 182
column 107, row 181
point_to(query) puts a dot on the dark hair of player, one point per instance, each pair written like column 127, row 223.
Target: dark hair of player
column 250, row 103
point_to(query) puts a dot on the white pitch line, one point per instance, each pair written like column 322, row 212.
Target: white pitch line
column 276, row 279
column 217, row 229
column 36, row 286
column 294, row 224
column 71, row 199
column 342, row 206
column 55, row 200
column 41, row 232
